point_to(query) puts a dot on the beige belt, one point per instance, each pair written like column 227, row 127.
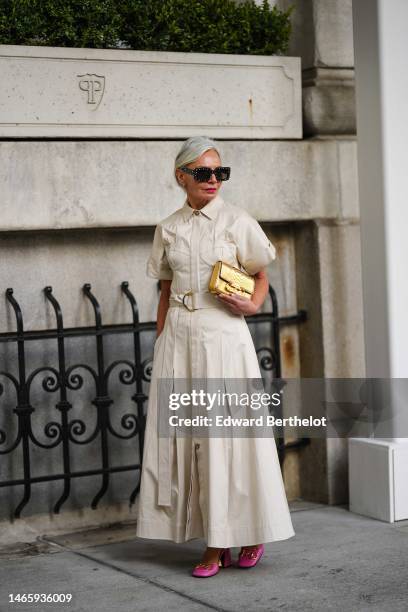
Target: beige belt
column 193, row 300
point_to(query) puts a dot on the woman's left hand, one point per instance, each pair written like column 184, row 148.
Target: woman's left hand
column 238, row 304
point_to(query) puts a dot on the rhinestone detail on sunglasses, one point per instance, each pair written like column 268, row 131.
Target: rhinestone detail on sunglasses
column 202, row 174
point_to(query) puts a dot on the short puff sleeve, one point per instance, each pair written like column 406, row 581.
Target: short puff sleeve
column 157, row 265
column 254, row 249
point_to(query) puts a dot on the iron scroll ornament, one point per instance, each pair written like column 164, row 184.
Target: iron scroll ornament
column 67, row 433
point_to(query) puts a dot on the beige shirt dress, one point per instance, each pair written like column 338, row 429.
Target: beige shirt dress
column 227, row 490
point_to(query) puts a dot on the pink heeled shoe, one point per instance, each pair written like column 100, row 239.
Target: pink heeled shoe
column 250, row 555
column 205, row 570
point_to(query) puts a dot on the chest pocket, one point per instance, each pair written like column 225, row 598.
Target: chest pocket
column 223, row 247
column 177, row 249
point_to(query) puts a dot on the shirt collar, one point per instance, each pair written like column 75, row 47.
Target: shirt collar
column 209, row 210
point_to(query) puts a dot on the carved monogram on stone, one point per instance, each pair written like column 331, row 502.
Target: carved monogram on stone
column 94, row 86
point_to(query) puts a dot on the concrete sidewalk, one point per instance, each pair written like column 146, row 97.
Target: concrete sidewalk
column 336, row 561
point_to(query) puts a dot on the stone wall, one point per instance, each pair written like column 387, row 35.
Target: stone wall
column 66, row 203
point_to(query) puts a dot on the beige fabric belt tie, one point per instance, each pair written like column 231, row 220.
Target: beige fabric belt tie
column 164, row 444
column 193, row 300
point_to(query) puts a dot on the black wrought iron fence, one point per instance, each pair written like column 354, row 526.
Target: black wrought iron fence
column 67, row 433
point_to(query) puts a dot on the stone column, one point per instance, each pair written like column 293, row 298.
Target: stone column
column 322, row 35
column 379, row 465
column 332, row 343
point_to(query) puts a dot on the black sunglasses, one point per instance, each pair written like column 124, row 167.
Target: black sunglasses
column 203, row 174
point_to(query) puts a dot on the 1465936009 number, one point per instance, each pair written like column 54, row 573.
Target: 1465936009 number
column 40, row 598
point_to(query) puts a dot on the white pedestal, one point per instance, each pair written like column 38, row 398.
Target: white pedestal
column 378, row 478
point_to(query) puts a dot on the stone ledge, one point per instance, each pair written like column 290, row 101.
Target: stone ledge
column 89, row 184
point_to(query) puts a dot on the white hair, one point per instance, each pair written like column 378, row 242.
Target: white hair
column 192, row 148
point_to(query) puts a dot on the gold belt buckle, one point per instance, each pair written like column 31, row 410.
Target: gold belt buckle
column 189, row 292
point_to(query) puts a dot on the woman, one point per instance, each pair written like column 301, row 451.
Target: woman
column 226, row 490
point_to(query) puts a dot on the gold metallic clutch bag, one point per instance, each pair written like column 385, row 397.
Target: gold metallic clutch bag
column 229, row 280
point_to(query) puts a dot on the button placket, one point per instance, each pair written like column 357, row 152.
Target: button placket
column 194, row 253
column 195, row 286
column 206, row 242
